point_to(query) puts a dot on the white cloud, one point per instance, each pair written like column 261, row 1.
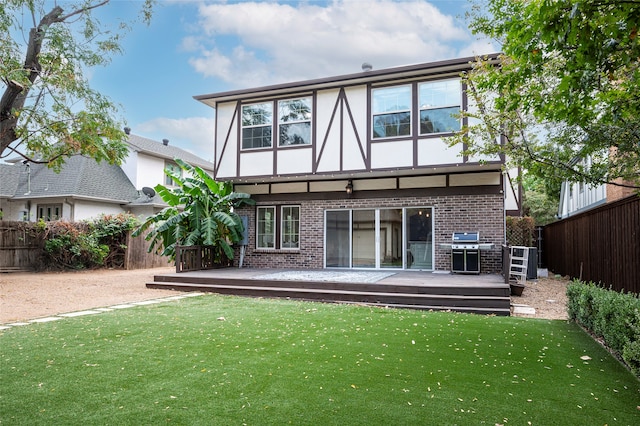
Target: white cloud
column 193, row 134
column 249, row 44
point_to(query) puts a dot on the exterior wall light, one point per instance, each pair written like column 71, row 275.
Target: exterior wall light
column 349, row 187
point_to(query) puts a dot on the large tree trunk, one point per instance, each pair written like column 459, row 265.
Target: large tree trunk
column 15, row 95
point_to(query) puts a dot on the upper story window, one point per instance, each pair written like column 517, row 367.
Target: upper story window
column 391, row 112
column 439, row 103
column 172, row 167
column 257, row 125
column 294, row 122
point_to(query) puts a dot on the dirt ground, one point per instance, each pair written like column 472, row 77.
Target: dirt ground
column 25, row 296
column 547, row 295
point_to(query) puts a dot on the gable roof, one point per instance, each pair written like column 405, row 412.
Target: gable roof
column 80, row 177
column 9, row 177
column 169, row 152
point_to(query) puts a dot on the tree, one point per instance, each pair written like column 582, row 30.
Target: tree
column 48, row 111
column 540, row 199
column 200, row 212
column 567, row 87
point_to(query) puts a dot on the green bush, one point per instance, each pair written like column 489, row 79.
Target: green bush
column 68, row 245
column 85, row 245
column 610, row 315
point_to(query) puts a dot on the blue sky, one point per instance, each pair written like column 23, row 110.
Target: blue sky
column 200, row 47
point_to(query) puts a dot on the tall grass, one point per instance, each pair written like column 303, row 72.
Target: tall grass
column 217, row 360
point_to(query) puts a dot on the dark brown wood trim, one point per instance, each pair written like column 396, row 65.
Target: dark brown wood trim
column 395, row 193
column 355, row 131
column 314, row 125
column 369, row 124
column 390, row 74
column 415, row 123
column 326, row 135
column 341, row 100
column 226, row 142
column 465, row 119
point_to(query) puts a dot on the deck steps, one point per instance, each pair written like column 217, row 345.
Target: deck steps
column 481, row 299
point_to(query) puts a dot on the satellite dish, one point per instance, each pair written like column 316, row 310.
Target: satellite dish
column 149, row 192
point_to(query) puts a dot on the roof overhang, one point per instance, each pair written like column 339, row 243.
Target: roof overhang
column 448, row 67
column 426, row 171
column 70, row 196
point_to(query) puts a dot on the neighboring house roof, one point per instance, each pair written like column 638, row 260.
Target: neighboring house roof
column 9, row 177
column 80, row 177
column 169, row 152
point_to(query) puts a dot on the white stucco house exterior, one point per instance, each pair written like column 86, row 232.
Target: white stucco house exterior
column 85, row 189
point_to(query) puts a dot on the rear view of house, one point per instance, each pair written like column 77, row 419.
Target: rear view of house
column 354, row 171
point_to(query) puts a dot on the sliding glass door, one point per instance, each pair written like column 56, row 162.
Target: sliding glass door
column 418, row 231
column 338, row 239
column 379, row 238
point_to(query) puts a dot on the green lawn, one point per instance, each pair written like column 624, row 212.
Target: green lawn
column 215, row 360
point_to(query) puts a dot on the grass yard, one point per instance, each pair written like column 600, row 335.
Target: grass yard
column 216, row 360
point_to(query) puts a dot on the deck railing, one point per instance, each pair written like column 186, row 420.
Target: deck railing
column 199, row 258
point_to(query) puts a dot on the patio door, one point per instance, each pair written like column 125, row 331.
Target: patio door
column 368, row 238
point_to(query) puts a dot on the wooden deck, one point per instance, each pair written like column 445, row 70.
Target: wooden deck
column 484, row 294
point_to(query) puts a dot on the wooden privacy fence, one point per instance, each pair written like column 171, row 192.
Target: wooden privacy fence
column 600, row 245
column 137, row 254
column 21, row 249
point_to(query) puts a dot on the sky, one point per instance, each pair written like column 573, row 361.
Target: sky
column 200, row 47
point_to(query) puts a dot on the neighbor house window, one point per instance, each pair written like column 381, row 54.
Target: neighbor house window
column 439, row 103
column 282, row 222
column 48, row 212
column 391, row 112
column 294, row 122
column 257, row 125
column 266, row 229
column 171, row 167
column 290, row 230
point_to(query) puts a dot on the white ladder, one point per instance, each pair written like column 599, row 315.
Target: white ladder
column 518, row 264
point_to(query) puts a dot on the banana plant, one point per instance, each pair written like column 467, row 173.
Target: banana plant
column 200, row 211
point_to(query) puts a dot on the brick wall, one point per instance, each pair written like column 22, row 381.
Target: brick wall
column 483, row 213
column 615, row 192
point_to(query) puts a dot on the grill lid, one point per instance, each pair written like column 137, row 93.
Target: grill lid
column 465, row 237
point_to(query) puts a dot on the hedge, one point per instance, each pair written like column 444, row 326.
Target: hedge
column 610, row 315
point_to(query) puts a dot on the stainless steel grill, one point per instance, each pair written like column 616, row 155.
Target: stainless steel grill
column 465, row 252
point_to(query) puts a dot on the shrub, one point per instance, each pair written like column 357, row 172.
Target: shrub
column 86, row 245
column 610, row 315
column 69, row 245
column 111, row 230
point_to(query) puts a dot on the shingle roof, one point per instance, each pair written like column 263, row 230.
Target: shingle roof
column 9, row 176
column 79, row 177
column 158, row 149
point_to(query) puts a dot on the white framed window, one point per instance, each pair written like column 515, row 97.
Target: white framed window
column 257, row 125
column 391, row 112
column 49, row 212
column 173, row 167
column 290, row 229
column 278, row 227
column 266, row 228
column 294, row 122
column 439, row 103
